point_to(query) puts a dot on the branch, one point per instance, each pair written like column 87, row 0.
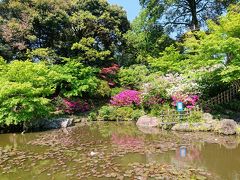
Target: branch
column 204, row 6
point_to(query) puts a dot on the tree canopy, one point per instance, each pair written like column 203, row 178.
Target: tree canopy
column 87, row 29
column 181, row 15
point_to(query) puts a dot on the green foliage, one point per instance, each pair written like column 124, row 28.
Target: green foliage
column 92, row 116
column 156, row 110
column 146, row 37
column 132, row 76
column 87, row 52
column 103, row 89
column 168, row 61
column 116, row 90
column 75, row 79
column 119, row 113
column 91, row 30
column 179, row 16
column 42, row 54
column 195, row 116
column 154, row 90
column 220, row 46
column 233, row 105
column 24, row 88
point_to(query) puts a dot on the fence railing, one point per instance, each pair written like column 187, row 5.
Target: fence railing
column 224, row 97
column 172, row 116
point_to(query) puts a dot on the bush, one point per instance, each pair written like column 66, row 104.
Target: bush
column 92, row 116
column 71, row 106
column 111, row 113
column 24, row 91
column 103, row 90
column 233, row 105
column 126, row 98
column 195, row 116
column 156, row 110
column 154, row 91
column 109, row 74
column 116, row 90
column 76, row 80
column 132, row 77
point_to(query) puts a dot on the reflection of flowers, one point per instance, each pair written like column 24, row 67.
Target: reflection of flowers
column 192, row 154
column 126, row 141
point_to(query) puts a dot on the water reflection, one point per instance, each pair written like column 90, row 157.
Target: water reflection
column 126, row 141
column 116, row 146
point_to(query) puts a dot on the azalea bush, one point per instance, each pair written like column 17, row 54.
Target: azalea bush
column 126, row 98
column 154, row 91
column 109, row 74
column 189, row 101
column 71, row 106
column 75, row 106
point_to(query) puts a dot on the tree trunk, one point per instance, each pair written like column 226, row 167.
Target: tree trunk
column 193, row 7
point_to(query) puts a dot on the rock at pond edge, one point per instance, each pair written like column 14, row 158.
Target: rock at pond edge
column 147, row 121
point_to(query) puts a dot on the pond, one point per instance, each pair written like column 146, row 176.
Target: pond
column 114, row 150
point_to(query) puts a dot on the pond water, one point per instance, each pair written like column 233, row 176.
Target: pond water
column 118, row 151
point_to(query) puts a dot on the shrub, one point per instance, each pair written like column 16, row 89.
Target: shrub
column 116, row 90
column 71, row 106
column 151, row 99
column 92, row 116
column 119, row 113
column 195, row 116
column 75, row 106
column 24, row 91
column 126, row 98
column 154, row 91
column 233, row 105
column 109, row 74
column 76, row 80
column 132, row 77
column 103, row 90
column 156, row 110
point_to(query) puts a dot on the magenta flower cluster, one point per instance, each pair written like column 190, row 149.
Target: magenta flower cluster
column 75, row 106
column 126, row 98
column 189, row 101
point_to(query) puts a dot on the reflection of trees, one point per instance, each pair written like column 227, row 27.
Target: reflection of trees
column 12, row 141
column 221, row 161
column 125, row 128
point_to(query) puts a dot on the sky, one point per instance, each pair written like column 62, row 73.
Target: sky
column 131, row 6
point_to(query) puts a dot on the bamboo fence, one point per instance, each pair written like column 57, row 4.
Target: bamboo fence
column 172, row 116
column 225, row 96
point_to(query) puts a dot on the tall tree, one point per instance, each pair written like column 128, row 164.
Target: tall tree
column 180, row 15
column 146, row 37
column 89, row 30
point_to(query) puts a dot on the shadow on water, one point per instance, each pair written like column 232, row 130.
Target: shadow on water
column 118, row 151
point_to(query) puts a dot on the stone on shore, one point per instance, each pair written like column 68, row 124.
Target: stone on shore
column 58, row 123
column 227, row 127
column 147, row 121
